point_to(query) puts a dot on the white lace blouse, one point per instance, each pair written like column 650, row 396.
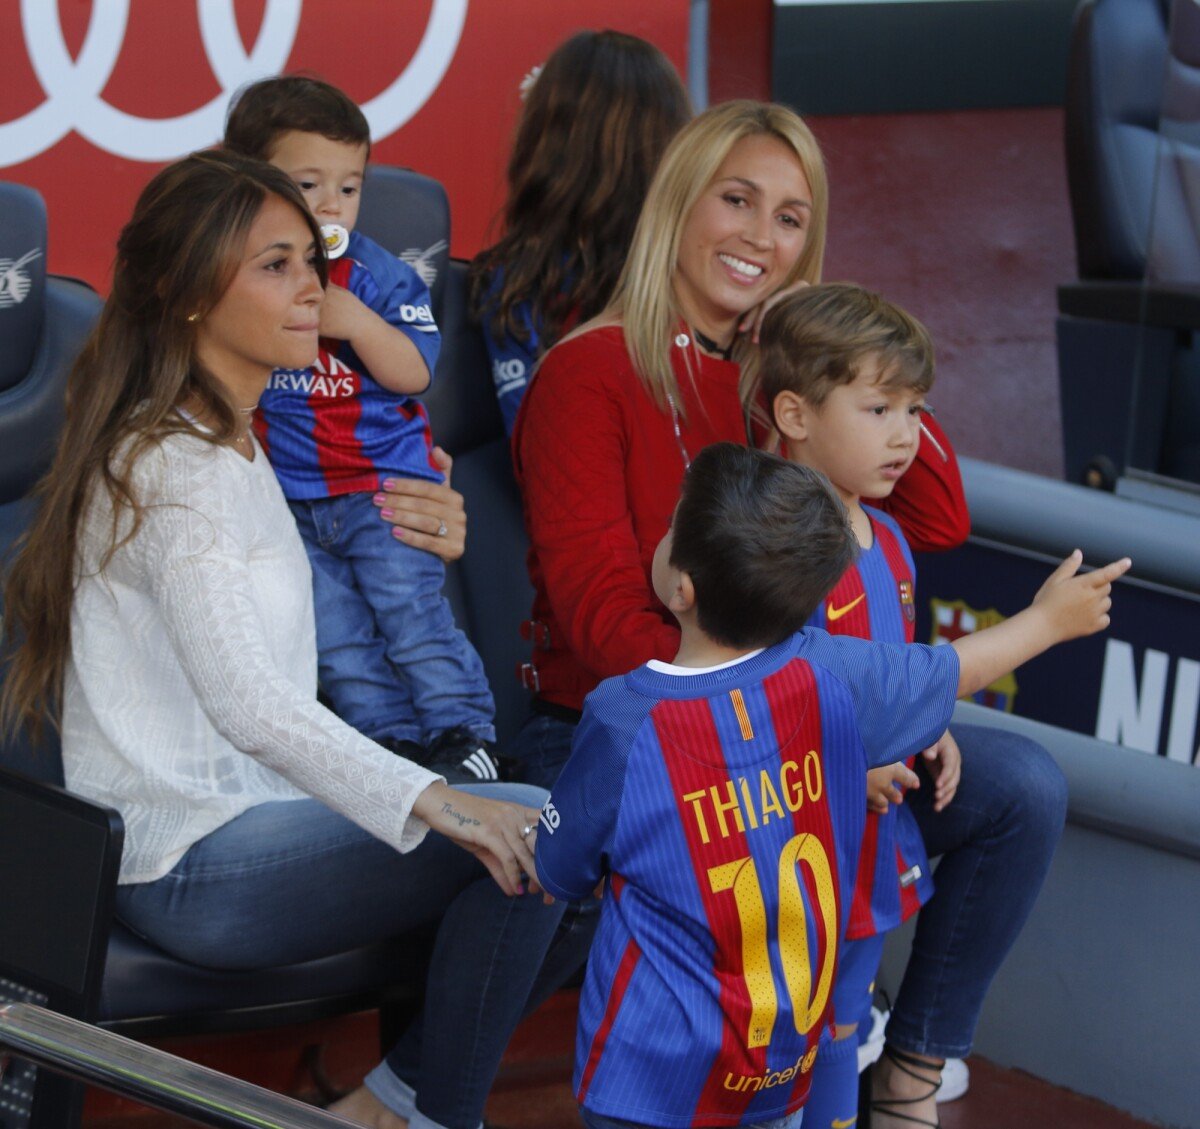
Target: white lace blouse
column 190, row 691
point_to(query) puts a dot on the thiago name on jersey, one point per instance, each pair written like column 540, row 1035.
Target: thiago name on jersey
column 752, row 803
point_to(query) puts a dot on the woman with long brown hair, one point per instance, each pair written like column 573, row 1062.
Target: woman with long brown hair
column 161, row 612
column 596, row 120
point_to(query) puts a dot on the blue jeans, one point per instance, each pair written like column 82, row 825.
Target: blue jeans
column 392, row 661
column 541, row 748
column 996, row 840
column 337, row 888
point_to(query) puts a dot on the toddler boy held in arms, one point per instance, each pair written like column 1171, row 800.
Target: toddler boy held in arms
column 722, row 797
column 392, row 661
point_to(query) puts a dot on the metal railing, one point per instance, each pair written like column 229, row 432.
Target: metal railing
column 112, row 1062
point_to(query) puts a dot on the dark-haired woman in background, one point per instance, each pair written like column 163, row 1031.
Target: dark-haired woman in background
column 596, row 120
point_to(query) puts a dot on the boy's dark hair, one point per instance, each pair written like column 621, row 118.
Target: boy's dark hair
column 262, row 111
column 814, row 340
column 763, row 540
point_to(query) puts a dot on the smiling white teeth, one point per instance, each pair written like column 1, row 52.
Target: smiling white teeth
column 750, row 270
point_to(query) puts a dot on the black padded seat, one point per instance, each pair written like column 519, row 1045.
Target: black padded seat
column 1129, row 365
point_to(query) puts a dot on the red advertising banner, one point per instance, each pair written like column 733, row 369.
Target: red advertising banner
column 98, row 94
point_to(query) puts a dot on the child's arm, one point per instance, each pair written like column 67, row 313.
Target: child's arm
column 388, row 354
column 1066, row 607
column 578, row 819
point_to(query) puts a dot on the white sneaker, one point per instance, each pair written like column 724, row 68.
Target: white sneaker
column 869, row 1051
column 956, row 1077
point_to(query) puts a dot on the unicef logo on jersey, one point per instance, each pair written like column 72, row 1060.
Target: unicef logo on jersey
column 419, row 317
column 508, row 374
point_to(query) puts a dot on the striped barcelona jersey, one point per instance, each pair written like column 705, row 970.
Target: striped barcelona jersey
column 331, row 429
column 726, row 810
column 875, row 599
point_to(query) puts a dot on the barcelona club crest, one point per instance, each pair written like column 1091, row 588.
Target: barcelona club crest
column 908, row 600
column 952, row 619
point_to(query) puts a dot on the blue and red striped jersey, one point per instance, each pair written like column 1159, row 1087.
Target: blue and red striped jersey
column 876, row 599
column 331, row 429
column 725, row 809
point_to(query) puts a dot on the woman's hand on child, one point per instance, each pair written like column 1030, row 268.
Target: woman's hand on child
column 427, row 515
column 1075, row 603
column 492, row 830
column 943, row 762
column 885, row 785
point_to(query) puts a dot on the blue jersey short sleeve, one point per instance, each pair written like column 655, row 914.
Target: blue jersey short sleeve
column 903, row 694
column 580, row 816
column 397, row 294
column 512, row 359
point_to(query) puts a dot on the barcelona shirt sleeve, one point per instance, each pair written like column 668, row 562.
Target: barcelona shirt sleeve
column 397, row 294
column 903, row 694
column 512, row 363
column 579, row 818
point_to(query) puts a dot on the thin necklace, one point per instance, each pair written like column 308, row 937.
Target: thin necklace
column 247, row 415
column 687, row 462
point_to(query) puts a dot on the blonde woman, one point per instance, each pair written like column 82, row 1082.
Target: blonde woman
column 735, row 217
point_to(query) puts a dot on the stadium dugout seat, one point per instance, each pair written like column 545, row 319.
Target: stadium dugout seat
column 1129, row 365
column 59, row 943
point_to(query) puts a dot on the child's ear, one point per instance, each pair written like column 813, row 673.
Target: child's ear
column 683, row 595
column 792, row 414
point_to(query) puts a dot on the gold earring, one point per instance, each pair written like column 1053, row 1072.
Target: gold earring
column 193, row 317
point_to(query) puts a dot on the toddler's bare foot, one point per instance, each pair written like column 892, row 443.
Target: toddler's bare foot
column 364, row 1108
column 904, row 1089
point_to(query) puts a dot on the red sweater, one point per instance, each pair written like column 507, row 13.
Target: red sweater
column 600, row 467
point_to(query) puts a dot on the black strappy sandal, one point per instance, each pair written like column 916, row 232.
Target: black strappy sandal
column 906, row 1062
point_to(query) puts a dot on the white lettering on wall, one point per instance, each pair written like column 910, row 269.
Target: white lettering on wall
column 1132, row 715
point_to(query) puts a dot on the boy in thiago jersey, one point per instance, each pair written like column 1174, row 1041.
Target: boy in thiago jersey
column 722, row 798
column 392, row 661
column 846, row 374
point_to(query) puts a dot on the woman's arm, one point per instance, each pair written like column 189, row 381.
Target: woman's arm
column 191, row 556
column 571, row 448
column 928, row 501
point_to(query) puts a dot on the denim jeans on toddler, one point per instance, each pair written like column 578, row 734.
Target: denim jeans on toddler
column 391, row 659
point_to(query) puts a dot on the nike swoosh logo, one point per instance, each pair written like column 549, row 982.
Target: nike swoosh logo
column 831, row 614
column 837, row 1123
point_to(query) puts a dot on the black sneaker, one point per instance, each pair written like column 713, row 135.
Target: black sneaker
column 464, row 757
column 410, row 750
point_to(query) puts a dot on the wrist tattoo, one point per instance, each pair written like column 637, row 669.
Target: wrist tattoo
column 463, row 820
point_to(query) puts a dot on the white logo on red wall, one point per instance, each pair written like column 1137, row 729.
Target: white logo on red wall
column 72, row 87
column 14, row 278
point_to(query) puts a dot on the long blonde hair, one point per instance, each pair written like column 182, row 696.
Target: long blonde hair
column 175, row 258
column 644, row 300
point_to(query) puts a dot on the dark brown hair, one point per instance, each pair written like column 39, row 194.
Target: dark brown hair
column 175, row 259
column 595, row 123
column 261, row 112
column 814, row 340
column 763, row 539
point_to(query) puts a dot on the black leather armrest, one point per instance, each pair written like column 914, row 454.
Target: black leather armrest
column 1169, row 306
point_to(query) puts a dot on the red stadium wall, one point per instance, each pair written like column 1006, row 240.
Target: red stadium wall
column 160, row 70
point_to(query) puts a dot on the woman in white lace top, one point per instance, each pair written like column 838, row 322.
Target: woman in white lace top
column 163, row 604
